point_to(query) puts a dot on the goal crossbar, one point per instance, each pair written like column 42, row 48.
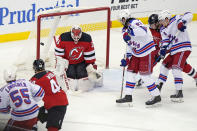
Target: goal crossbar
column 75, row 12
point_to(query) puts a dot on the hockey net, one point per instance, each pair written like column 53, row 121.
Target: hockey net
column 50, row 24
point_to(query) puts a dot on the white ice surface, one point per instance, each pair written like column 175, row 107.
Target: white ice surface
column 97, row 111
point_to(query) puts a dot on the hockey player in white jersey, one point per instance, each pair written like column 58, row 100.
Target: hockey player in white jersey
column 21, row 96
column 139, row 59
column 175, row 38
column 155, row 31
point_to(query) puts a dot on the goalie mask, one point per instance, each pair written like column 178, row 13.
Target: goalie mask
column 76, row 33
column 38, row 65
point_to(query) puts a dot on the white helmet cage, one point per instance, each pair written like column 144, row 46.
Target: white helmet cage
column 123, row 16
column 76, row 33
column 10, row 74
column 164, row 14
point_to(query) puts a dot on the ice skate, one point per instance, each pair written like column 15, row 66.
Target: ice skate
column 178, row 97
column 160, row 86
column 126, row 100
column 155, row 101
column 139, row 83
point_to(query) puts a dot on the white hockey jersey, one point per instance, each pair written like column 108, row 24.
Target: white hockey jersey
column 141, row 43
column 21, row 96
column 179, row 41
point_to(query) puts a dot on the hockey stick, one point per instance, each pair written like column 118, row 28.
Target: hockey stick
column 7, row 127
column 159, row 57
column 123, row 74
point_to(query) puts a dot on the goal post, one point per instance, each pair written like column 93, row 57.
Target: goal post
column 61, row 13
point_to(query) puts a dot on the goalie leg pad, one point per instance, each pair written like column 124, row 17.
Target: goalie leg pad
column 72, row 84
column 63, row 82
column 85, row 84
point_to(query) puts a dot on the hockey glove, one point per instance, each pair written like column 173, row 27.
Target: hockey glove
column 163, row 52
column 126, row 37
column 42, row 115
column 181, row 26
column 157, row 59
column 124, row 62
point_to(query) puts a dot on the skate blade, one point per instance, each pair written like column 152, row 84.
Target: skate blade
column 177, row 100
column 127, row 104
column 158, row 104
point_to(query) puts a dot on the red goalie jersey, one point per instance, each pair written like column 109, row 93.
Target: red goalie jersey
column 76, row 53
column 54, row 95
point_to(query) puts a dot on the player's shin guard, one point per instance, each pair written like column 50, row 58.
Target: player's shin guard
column 178, row 81
column 129, row 87
column 190, row 71
column 130, row 83
column 163, row 75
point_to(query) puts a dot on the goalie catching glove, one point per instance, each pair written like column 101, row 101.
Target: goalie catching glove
column 93, row 74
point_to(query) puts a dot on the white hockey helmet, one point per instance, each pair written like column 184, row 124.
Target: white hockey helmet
column 164, row 14
column 123, row 16
column 10, row 74
column 76, row 33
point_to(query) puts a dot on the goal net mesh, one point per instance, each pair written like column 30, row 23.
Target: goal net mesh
column 94, row 22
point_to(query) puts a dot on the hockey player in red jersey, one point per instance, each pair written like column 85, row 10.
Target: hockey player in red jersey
column 140, row 56
column 21, row 96
column 155, row 30
column 55, row 99
column 77, row 50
